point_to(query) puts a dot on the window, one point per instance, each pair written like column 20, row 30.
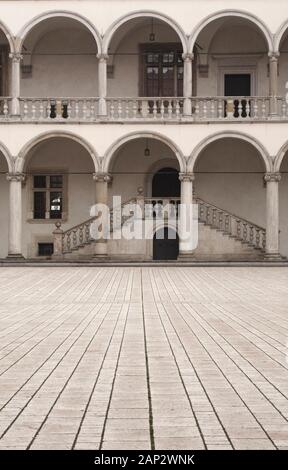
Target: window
column 162, row 66
column 47, row 196
column 45, row 249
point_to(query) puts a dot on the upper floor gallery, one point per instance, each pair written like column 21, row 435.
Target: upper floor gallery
column 112, row 60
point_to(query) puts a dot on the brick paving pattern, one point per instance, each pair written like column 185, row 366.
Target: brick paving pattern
column 143, row 358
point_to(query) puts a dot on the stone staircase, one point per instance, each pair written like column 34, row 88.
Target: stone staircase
column 223, row 236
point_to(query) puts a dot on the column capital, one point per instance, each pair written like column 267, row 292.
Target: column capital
column 15, row 56
column 102, row 177
column 188, row 56
column 186, row 177
column 273, row 56
column 19, row 177
column 102, row 57
column 272, row 177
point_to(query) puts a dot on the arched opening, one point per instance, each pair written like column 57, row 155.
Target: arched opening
column 232, row 60
column 59, row 60
column 165, row 244
column 166, row 183
column 4, row 67
column 283, row 200
column 145, row 57
column 283, row 63
column 59, row 187
column 231, row 196
column 4, row 206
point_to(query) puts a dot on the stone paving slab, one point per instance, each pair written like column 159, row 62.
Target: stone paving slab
column 143, row 357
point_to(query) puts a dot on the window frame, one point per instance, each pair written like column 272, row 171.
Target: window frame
column 48, row 191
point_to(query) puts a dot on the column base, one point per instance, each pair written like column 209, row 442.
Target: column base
column 186, row 256
column 15, row 256
column 273, row 257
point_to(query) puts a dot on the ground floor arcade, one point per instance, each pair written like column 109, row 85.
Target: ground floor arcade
column 239, row 193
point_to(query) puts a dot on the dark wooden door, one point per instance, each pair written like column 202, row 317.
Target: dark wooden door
column 166, row 247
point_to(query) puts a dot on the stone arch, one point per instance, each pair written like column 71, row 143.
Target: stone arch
column 145, row 14
column 162, row 163
column 110, row 153
column 7, row 156
column 279, row 35
column 9, row 36
column 23, row 155
column 280, row 157
column 230, row 135
column 24, row 32
column 236, row 13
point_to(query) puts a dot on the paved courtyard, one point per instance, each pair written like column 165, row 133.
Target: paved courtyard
column 141, row 358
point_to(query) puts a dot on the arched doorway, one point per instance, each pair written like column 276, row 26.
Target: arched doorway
column 165, row 244
column 166, row 183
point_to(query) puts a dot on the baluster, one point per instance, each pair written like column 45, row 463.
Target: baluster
column 127, row 110
column 74, row 238
column 177, row 109
column 214, row 217
column 238, row 228
column 33, row 109
column 69, row 241
column 263, row 239
column 81, row 235
column 248, row 111
column 208, row 214
column 84, row 110
column 76, row 109
column 49, row 109
column 5, row 108
column 92, row 110
column 170, row 109
column 112, row 109
column 212, row 109
column 87, row 232
column 244, row 231
column 119, row 109
column 135, row 108
column 241, row 108
column 221, row 220
column 251, row 235
column 220, row 108
column 283, row 109
column 162, row 109
column 255, row 109
column 25, row 109
column 197, row 109
column 41, row 110
column 263, row 108
column 257, row 237
column 227, row 223
column 204, row 109
column 155, row 109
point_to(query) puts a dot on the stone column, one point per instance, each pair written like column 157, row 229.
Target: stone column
column 187, row 83
column 186, row 215
column 272, row 215
column 102, row 180
column 15, row 82
column 102, row 83
column 273, row 83
column 15, row 215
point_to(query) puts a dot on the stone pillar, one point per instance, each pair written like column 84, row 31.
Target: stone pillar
column 186, row 214
column 273, row 83
column 102, row 83
column 15, row 82
column 58, row 241
column 15, row 215
column 187, row 83
column 102, row 180
column 272, row 215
